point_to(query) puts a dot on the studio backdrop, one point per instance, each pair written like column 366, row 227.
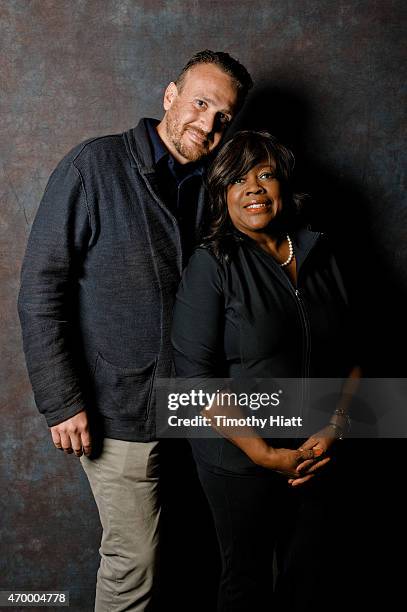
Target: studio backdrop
column 329, row 83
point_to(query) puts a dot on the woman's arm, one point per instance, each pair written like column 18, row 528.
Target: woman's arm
column 197, row 337
column 337, row 426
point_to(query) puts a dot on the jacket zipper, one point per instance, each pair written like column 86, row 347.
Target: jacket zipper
column 307, row 334
column 306, row 350
column 306, row 357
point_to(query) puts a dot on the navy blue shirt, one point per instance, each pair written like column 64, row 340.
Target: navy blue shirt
column 179, row 186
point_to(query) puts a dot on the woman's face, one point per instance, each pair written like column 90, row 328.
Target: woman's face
column 254, row 199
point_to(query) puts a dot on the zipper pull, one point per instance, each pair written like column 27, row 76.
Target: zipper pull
column 298, row 294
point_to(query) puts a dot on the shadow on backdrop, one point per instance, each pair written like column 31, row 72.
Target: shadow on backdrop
column 339, row 206
column 365, row 494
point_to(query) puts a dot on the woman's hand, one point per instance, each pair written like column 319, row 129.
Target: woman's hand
column 286, row 461
column 320, row 443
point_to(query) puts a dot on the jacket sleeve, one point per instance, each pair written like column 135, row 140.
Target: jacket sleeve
column 49, row 280
column 197, row 336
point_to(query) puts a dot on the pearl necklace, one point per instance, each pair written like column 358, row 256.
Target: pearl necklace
column 290, row 255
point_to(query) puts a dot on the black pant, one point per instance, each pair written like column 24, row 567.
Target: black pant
column 278, row 544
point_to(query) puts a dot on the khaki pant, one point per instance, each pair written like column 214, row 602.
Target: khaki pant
column 124, row 482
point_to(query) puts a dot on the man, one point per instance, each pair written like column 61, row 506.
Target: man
column 117, row 222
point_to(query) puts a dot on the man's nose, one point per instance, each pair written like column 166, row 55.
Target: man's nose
column 208, row 122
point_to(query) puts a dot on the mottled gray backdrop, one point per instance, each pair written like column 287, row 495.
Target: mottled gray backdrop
column 330, row 83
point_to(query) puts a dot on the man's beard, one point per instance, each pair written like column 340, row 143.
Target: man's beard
column 190, row 151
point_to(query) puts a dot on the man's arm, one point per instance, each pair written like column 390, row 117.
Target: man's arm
column 46, row 304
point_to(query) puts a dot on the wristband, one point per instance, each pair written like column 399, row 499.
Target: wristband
column 337, row 429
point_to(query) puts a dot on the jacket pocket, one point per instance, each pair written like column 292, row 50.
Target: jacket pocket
column 124, row 393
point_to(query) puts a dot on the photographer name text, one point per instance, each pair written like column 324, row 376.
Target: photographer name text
column 223, row 421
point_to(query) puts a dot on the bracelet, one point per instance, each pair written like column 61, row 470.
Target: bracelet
column 338, row 429
column 341, row 412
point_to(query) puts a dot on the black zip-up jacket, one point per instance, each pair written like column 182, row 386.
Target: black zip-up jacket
column 101, row 270
column 243, row 318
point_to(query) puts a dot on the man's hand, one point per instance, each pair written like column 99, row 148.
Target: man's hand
column 72, row 435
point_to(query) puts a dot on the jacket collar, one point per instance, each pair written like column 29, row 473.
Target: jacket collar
column 141, row 152
column 304, row 239
column 146, row 151
column 139, row 146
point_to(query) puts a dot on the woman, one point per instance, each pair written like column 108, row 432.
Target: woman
column 261, row 298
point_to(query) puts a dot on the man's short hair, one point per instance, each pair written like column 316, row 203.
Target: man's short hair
column 225, row 62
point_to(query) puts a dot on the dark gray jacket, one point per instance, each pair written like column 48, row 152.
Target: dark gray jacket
column 99, row 278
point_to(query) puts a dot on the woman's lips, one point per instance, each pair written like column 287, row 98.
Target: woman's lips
column 257, row 205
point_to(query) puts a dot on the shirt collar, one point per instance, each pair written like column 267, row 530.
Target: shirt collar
column 157, row 145
column 162, row 155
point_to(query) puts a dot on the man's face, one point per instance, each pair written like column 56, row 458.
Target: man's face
column 198, row 113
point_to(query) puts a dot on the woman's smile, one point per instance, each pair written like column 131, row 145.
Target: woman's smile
column 254, row 199
column 258, row 206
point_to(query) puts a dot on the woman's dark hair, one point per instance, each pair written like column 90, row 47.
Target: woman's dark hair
column 236, row 157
